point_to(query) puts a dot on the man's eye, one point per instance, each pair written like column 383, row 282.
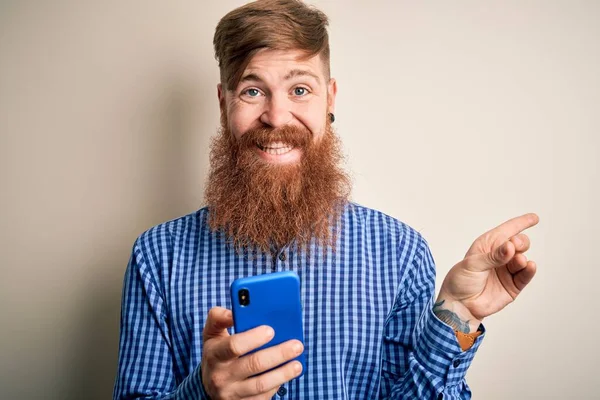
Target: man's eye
column 300, row 91
column 252, row 92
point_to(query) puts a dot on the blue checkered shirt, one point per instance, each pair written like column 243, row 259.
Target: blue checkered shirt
column 368, row 324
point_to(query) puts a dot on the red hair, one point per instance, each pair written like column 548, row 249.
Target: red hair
column 268, row 24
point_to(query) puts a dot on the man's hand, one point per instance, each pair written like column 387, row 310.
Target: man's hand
column 228, row 375
column 493, row 273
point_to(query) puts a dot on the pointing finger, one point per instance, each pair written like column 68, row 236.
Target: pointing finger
column 516, row 225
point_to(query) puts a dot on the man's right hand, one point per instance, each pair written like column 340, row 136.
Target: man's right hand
column 228, row 375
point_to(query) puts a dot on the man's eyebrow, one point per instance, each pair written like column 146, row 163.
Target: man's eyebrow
column 251, row 77
column 301, row 72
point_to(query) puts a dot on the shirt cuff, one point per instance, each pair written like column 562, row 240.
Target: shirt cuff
column 191, row 387
column 203, row 394
column 437, row 347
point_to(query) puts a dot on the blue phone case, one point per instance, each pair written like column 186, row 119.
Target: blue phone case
column 274, row 300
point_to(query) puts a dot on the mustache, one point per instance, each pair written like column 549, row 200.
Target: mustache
column 288, row 135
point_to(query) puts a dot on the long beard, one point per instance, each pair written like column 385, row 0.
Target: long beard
column 256, row 204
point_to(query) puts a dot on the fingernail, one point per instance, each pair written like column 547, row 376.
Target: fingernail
column 269, row 332
column 297, row 367
column 298, row 348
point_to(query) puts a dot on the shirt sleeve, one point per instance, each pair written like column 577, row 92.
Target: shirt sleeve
column 145, row 369
column 421, row 355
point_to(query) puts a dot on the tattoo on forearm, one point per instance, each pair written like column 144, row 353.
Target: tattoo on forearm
column 450, row 318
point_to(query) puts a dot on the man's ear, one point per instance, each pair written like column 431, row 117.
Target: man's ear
column 331, row 93
column 221, row 97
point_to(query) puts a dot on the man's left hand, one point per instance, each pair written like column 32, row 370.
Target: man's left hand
column 491, row 276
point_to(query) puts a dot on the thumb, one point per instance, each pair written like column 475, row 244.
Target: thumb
column 217, row 321
column 495, row 258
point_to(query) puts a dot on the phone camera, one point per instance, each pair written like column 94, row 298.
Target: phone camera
column 244, row 297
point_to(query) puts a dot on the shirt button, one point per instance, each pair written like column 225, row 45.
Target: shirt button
column 282, row 256
column 456, row 363
column 282, row 391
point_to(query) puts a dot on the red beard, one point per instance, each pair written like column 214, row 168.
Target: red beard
column 261, row 205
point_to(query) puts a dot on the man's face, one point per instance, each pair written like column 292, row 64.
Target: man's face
column 275, row 164
column 277, row 89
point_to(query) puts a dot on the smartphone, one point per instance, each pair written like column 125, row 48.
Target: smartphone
column 270, row 299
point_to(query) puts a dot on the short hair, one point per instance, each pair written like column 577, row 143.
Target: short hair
column 268, row 24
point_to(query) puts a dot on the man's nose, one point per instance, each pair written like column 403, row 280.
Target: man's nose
column 277, row 112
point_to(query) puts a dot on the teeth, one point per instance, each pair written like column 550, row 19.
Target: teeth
column 277, row 151
column 276, row 148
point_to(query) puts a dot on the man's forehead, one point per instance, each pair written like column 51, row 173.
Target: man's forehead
column 283, row 64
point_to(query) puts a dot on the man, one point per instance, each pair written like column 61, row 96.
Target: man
column 278, row 200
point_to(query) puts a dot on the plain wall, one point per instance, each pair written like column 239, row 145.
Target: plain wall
column 455, row 117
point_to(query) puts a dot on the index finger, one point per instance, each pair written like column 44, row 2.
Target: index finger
column 516, row 225
column 242, row 343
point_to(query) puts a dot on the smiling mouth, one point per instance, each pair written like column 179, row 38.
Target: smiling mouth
column 275, row 148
